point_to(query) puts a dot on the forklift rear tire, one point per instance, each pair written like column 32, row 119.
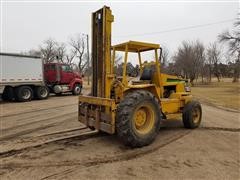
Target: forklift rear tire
column 192, row 115
column 24, row 93
column 138, row 119
column 41, row 92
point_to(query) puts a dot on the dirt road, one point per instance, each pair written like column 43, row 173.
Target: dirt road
column 44, row 140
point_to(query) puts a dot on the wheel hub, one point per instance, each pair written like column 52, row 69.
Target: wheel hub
column 77, row 89
column 26, row 94
column 144, row 119
column 140, row 118
column 196, row 115
column 43, row 92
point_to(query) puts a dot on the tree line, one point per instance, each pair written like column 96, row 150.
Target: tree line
column 192, row 60
column 74, row 52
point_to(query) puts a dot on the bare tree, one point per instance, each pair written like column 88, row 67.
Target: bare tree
column 52, row 50
column 214, row 59
column 131, row 70
column 200, row 58
column 70, row 57
column 188, row 59
column 78, row 44
column 233, row 41
column 118, row 59
column 48, row 50
column 164, row 59
column 165, row 56
column 60, row 52
column 118, row 64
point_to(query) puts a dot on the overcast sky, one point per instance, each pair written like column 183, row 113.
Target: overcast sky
column 25, row 25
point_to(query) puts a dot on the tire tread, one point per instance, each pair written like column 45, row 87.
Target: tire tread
column 123, row 116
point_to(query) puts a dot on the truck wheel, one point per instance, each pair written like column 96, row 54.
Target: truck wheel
column 77, row 89
column 8, row 94
column 41, row 92
column 138, row 119
column 192, row 115
column 24, row 93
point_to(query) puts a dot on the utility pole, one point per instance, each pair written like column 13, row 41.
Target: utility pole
column 88, row 60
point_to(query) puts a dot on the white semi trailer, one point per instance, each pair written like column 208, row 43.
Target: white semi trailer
column 22, row 77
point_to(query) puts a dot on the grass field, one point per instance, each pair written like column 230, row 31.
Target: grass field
column 224, row 93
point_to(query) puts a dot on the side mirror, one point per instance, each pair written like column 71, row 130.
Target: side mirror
column 83, row 75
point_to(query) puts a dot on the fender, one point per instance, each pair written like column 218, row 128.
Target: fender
column 75, row 81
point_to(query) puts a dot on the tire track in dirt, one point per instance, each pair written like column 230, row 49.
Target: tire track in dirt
column 59, row 173
column 43, row 140
column 220, row 129
column 209, row 128
column 60, row 132
column 129, row 155
column 27, row 131
column 41, row 120
column 37, row 110
column 125, row 157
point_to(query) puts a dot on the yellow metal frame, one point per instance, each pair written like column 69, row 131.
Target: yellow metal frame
column 96, row 121
column 139, row 47
column 98, row 101
column 99, row 111
column 170, row 106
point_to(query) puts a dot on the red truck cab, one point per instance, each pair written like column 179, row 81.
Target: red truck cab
column 61, row 78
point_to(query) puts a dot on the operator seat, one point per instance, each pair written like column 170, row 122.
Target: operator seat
column 147, row 73
column 146, row 76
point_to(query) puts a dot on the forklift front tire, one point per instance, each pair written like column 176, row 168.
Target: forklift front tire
column 138, row 118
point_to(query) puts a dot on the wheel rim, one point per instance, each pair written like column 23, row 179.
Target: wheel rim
column 77, row 89
column 43, row 92
column 196, row 115
column 26, row 94
column 144, row 119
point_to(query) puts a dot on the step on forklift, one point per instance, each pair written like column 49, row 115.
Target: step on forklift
column 132, row 109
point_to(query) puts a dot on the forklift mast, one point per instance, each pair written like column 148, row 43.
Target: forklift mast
column 101, row 52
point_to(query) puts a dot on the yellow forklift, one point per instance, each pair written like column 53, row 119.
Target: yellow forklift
column 133, row 109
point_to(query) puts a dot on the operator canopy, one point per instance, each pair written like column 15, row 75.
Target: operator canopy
column 136, row 46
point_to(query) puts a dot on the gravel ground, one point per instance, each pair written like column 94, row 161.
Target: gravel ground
column 33, row 147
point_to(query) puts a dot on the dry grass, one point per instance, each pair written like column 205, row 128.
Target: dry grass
column 85, row 83
column 86, row 86
column 224, row 93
